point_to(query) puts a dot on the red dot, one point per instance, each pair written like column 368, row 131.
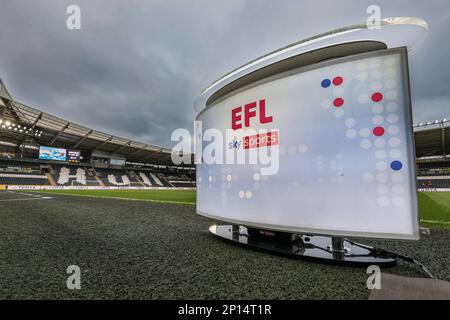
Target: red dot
column 338, row 81
column 378, row 131
column 338, row 102
column 377, row 96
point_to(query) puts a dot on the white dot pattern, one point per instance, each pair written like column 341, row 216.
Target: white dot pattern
column 379, row 96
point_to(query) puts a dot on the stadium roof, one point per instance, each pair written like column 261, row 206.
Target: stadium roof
column 33, row 127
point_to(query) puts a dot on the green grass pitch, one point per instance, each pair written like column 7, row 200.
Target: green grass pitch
column 169, row 196
column 434, row 207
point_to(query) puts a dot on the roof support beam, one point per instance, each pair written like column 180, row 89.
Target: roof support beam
column 137, row 151
column 11, row 111
column 35, row 122
column 152, row 155
column 161, row 156
column 82, row 139
column 443, row 140
column 104, row 142
column 122, row 146
column 4, row 91
column 59, row 132
column 33, row 125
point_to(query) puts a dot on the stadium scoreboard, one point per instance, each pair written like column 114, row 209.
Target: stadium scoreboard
column 59, row 154
column 73, row 156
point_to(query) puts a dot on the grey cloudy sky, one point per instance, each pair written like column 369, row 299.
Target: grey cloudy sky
column 135, row 66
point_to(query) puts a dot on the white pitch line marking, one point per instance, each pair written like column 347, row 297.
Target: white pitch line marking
column 435, row 221
column 26, row 199
column 27, row 194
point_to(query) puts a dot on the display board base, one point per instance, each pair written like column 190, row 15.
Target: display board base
column 323, row 249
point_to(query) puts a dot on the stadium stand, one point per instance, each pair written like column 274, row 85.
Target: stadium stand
column 17, row 172
column 180, row 180
column 104, row 160
column 433, row 175
column 12, row 173
column 116, row 177
column 432, row 150
column 22, row 173
column 70, row 175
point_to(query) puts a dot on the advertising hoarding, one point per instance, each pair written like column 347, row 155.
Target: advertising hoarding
column 343, row 132
column 117, row 162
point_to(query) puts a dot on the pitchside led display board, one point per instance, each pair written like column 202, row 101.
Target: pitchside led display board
column 346, row 160
column 49, row 153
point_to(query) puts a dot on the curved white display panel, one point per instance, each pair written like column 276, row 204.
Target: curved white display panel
column 343, row 131
column 394, row 32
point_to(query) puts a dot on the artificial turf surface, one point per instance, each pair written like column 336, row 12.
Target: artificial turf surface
column 434, row 207
column 150, row 250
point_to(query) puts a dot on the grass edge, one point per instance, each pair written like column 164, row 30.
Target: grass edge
column 118, row 198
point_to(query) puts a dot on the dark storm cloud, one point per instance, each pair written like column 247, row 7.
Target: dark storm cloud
column 136, row 66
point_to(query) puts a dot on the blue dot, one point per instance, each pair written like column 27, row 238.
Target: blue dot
column 396, row 165
column 325, row 83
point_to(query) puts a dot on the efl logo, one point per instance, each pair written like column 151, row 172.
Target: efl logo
column 249, row 112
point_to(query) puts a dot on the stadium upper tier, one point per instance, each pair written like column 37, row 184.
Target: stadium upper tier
column 23, row 124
